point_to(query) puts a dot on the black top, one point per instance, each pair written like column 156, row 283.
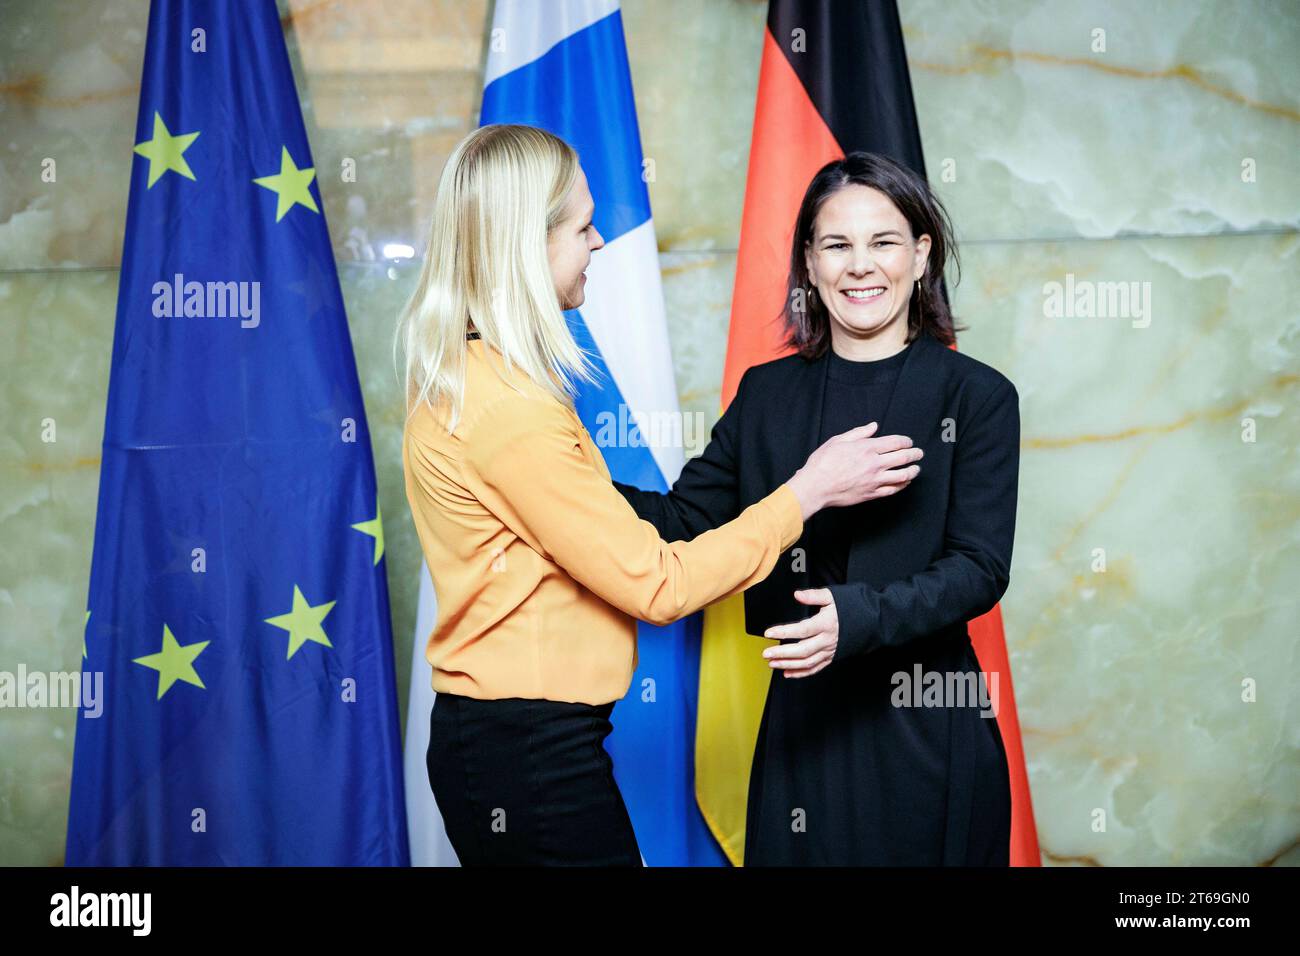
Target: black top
column 937, row 553
column 857, row 392
column 878, row 784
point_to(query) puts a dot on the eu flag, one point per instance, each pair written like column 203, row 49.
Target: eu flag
column 238, row 606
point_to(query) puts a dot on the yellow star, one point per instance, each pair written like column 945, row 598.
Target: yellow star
column 164, row 151
column 303, row 623
column 375, row 529
column 83, row 634
column 291, row 185
column 174, row 662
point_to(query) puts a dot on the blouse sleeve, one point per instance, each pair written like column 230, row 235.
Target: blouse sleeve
column 707, row 492
column 527, row 455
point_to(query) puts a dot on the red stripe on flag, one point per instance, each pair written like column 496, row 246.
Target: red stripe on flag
column 790, row 143
column 990, row 643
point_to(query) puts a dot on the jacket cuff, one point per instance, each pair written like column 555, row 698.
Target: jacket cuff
column 856, row 638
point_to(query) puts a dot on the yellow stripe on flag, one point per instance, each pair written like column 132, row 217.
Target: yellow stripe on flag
column 733, row 689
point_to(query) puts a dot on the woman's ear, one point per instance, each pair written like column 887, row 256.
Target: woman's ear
column 808, row 263
column 922, row 258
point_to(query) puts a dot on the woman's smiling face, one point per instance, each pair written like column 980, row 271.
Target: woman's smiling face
column 864, row 262
column 571, row 243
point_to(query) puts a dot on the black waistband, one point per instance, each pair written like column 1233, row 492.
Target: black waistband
column 517, row 703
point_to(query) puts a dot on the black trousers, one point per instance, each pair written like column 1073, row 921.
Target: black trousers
column 528, row 783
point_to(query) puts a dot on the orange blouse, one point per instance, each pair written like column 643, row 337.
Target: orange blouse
column 539, row 564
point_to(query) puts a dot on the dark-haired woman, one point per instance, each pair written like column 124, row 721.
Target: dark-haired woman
column 878, row 743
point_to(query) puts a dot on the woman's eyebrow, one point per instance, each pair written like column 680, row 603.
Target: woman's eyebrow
column 887, row 232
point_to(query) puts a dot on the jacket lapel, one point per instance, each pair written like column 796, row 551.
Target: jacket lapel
column 914, row 407
column 892, row 531
column 796, row 407
column 916, row 403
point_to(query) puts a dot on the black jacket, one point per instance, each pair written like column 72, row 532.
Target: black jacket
column 923, row 562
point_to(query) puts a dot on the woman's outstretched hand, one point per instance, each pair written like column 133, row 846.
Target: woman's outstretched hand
column 816, row 637
column 854, row 467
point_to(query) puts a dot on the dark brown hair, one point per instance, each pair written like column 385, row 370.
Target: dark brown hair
column 808, row 329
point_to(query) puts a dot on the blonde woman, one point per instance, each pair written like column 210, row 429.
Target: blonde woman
column 540, row 566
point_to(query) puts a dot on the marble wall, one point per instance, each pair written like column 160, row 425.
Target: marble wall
column 1159, row 444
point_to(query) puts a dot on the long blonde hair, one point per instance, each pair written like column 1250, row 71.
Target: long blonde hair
column 501, row 193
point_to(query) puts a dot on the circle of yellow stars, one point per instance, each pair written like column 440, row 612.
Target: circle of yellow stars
column 166, row 153
column 304, row 623
column 292, row 186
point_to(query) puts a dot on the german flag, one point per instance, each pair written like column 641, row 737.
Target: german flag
column 833, row 79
